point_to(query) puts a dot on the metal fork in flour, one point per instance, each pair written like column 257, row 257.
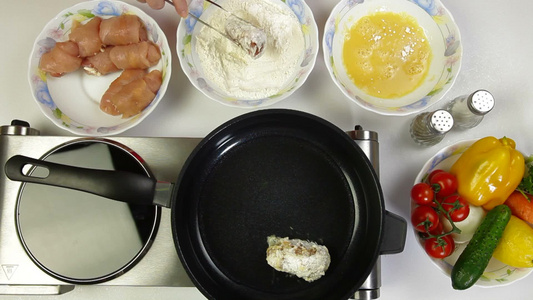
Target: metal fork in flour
column 241, row 32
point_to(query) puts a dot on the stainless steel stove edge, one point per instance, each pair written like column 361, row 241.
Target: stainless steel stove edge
column 159, row 267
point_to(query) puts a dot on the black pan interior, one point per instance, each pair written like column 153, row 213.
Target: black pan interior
column 282, row 173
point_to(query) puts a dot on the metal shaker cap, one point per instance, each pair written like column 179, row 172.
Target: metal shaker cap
column 360, row 134
column 18, row 127
column 481, row 102
column 441, row 121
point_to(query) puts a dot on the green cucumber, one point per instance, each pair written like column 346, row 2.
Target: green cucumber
column 472, row 262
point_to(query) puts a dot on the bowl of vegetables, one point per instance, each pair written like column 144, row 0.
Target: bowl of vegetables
column 462, row 236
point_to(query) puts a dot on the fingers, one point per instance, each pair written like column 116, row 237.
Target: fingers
column 155, row 4
column 181, row 7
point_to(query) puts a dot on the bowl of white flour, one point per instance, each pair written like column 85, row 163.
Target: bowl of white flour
column 226, row 73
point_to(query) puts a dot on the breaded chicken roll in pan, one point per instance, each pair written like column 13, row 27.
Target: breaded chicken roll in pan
column 284, row 173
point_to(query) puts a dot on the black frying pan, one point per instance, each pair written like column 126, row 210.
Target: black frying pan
column 270, row 172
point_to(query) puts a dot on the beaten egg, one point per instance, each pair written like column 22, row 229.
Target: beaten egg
column 387, row 54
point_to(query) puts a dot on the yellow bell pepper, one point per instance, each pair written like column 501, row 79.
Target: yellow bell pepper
column 489, row 171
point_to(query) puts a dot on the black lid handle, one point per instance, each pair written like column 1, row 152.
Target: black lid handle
column 394, row 231
column 117, row 185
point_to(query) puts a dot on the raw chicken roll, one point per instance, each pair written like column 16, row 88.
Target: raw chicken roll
column 87, row 37
column 131, row 92
column 62, row 59
column 142, row 55
column 122, row 30
column 99, row 64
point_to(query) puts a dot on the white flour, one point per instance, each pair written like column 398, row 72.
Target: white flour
column 232, row 70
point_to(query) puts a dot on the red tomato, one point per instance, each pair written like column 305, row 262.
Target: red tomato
column 422, row 194
column 437, row 231
column 457, row 207
column 433, row 173
column 446, row 181
column 439, row 248
column 424, row 218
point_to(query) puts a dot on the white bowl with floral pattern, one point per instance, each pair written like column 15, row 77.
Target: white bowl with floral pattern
column 72, row 101
column 496, row 274
column 192, row 67
column 443, row 36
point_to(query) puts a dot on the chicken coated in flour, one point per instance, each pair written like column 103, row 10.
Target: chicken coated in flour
column 305, row 259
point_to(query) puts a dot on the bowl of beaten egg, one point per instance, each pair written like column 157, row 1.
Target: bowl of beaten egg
column 392, row 57
column 225, row 73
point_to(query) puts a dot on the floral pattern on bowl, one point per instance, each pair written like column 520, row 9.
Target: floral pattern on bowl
column 193, row 68
column 497, row 273
column 450, row 66
column 58, row 29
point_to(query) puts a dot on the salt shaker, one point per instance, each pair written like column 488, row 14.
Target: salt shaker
column 469, row 110
column 429, row 128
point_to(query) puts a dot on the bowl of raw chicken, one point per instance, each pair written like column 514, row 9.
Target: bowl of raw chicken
column 99, row 68
column 223, row 69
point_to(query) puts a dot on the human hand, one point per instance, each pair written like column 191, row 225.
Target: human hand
column 180, row 5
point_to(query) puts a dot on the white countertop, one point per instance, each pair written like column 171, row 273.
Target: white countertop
column 497, row 45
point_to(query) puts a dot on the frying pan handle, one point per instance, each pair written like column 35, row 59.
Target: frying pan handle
column 117, row 185
column 395, row 231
